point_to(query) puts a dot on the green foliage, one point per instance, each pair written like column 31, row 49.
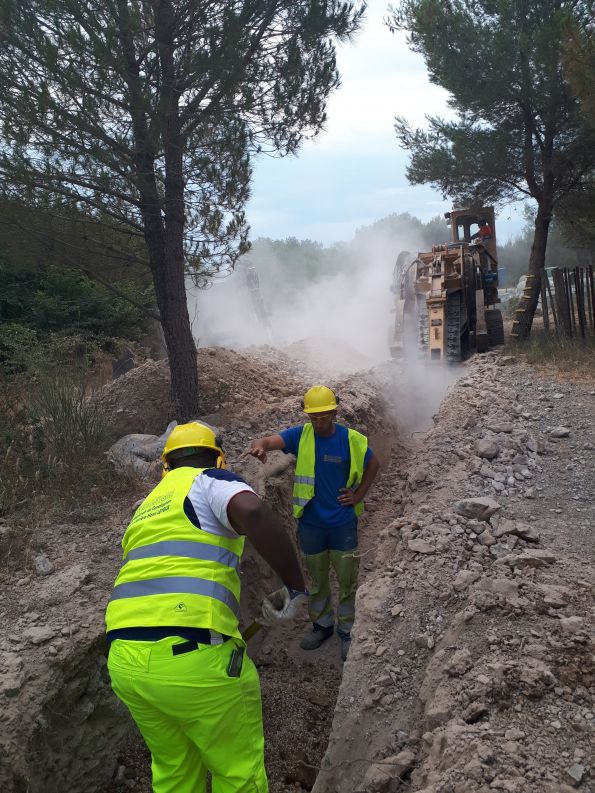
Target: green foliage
column 169, row 140
column 518, row 131
column 69, row 428
column 37, row 306
column 578, row 59
column 147, row 114
column 16, row 341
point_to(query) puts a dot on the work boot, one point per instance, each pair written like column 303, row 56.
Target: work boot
column 345, row 645
column 314, row 638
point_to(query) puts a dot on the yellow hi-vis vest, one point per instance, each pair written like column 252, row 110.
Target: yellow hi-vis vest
column 175, row 574
column 304, row 476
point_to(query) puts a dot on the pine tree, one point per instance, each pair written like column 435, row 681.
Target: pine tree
column 148, row 112
column 518, row 130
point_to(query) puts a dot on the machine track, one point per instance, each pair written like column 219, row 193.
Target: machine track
column 423, row 327
column 454, row 352
column 494, row 327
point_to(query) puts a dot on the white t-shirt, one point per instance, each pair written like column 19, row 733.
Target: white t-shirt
column 209, row 497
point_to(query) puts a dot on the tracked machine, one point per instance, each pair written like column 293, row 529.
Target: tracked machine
column 445, row 300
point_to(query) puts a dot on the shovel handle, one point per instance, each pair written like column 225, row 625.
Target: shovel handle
column 251, row 631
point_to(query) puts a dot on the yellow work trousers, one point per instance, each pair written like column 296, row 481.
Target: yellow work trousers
column 194, row 717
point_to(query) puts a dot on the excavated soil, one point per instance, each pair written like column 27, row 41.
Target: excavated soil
column 471, row 668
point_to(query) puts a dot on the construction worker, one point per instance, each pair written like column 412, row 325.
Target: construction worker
column 484, row 232
column 177, row 659
column 333, row 472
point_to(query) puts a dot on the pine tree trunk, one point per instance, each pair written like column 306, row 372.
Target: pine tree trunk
column 521, row 327
column 170, row 288
column 166, row 256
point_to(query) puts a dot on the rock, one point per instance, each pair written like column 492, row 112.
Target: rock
column 63, row 584
column 42, row 564
column 526, row 532
column 38, row 635
column 420, row 546
column 571, row 625
column 575, row 774
column 479, row 508
column 499, row 586
column 559, row 432
column 396, row 610
column 459, row 663
column 475, row 712
column 464, row 578
column 499, row 551
column 500, row 426
column 486, row 449
column 378, row 779
column 138, row 454
column 418, row 476
column 486, row 538
column 554, row 596
column 507, row 360
column 528, row 559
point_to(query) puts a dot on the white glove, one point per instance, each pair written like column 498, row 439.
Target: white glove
column 282, row 604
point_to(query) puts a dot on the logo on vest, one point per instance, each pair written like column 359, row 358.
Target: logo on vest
column 180, row 607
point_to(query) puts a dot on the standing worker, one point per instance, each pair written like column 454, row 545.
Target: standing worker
column 176, row 655
column 333, row 472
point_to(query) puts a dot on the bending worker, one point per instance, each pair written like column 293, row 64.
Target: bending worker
column 177, row 656
column 333, row 472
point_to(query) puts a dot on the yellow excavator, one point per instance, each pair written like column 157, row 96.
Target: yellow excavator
column 445, row 300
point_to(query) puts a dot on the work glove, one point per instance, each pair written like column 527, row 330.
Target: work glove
column 283, row 604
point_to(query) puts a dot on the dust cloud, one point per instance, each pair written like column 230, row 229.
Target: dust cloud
column 334, row 313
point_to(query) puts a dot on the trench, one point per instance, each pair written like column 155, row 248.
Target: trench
column 66, row 731
column 300, row 688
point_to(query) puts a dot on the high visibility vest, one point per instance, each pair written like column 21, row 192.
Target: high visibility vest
column 304, row 476
column 175, row 574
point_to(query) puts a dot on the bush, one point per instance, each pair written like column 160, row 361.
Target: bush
column 545, row 348
column 51, row 436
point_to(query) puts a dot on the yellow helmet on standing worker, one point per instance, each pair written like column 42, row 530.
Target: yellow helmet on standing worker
column 192, row 437
column 319, row 399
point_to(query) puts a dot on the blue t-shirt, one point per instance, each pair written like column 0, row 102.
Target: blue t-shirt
column 332, row 472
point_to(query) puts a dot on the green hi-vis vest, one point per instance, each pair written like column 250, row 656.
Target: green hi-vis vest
column 303, row 480
column 175, row 574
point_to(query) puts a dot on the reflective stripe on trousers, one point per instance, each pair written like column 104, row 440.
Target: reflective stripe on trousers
column 320, row 608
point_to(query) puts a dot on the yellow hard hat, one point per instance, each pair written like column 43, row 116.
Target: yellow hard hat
column 319, row 399
column 193, row 435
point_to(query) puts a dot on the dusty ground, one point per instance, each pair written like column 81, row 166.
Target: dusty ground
column 472, row 666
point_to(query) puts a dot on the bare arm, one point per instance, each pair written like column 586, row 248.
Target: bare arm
column 353, row 497
column 253, row 518
column 261, row 446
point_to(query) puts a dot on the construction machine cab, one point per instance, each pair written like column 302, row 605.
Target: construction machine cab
column 447, row 296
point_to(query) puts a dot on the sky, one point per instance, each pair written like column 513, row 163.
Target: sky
column 353, row 173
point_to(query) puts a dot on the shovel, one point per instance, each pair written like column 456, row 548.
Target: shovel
column 255, row 626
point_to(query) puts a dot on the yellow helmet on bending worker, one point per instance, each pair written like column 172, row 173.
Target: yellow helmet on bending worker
column 185, row 439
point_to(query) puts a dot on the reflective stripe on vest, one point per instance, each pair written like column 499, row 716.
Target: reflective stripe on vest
column 191, row 550
column 304, row 477
column 177, row 585
column 174, row 573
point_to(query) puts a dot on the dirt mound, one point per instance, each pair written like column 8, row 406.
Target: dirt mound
column 327, row 356
column 229, row 383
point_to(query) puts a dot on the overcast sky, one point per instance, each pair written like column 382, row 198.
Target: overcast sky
column 354, row 172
